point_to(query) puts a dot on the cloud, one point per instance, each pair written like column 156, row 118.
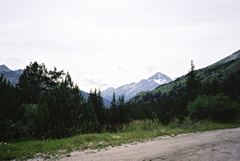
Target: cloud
column 117, row 41
column 120, row 68
column 13, row 62
column 95, row 82
column 152, row 68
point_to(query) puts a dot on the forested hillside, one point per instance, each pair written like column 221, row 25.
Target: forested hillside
column 219, row 71
column 47, row 104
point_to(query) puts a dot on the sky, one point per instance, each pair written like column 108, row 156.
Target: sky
column 109, row 43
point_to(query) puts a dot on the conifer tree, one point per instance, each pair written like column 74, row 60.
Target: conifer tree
column 121, row 110
column 35, row 81
column 65, row 112
column 31, row 82
column 113, row 102
column 11, row 113
column 114, row 110
column 9, row 101
column 192, row 84
column 96, row 100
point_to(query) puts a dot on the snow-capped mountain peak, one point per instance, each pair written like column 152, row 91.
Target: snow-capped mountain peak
column 160, row 78
column 130, row 90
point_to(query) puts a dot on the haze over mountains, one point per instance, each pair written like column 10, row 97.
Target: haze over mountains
column 130, row 90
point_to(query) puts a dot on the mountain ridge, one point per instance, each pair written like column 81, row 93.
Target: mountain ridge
column 131, row 89
column 4, row 68
column 233, row 56
column 220, row 70
column 11, row 75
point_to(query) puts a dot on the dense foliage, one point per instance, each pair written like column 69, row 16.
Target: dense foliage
column 47, row 104
column 216, row 108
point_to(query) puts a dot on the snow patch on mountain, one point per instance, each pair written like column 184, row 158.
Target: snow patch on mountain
column 160, row 81
column 130, row 90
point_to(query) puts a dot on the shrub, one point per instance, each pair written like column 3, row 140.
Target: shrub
column 216, row 108
column 12, row 131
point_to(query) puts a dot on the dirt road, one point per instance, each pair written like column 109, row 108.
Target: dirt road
column 220, row 145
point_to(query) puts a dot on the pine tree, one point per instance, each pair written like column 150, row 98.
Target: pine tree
column 66, row 111
column 113, row 102
column 121, row 110
column 11, row 112
column 54, row 78
column 31, row 82
column 114, row 111
column 96, row 100
column 36, row 80
column 192, row 84
column 9, row 101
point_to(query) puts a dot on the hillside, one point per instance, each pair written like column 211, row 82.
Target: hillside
column 62, row 112
column 220, row 70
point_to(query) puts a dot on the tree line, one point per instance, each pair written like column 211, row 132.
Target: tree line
column 217, row 100
column 47, row 104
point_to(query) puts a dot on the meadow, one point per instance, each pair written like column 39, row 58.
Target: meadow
column 136, row 131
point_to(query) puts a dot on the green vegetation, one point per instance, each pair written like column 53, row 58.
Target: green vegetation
column 46, row 114
column 220, row 71
column 136, row 131
column 216, row 108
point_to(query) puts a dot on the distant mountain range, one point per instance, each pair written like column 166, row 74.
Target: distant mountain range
column 11, row 75
column 130, row 90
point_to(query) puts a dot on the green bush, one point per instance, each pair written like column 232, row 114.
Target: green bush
column 12, row 131
column 216, row 108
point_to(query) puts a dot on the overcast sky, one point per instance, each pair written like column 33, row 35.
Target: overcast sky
column 109, row 43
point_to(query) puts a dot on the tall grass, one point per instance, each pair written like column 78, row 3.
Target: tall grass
column 134, row 131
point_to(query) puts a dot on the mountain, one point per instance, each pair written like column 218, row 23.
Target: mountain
column 4, row 68
column 11, row 75
column 19, row 71
column 130, row 90
column 221, row 70
column 233, row 56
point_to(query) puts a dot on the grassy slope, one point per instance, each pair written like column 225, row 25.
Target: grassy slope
column 217, row 70
column 136, row 131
